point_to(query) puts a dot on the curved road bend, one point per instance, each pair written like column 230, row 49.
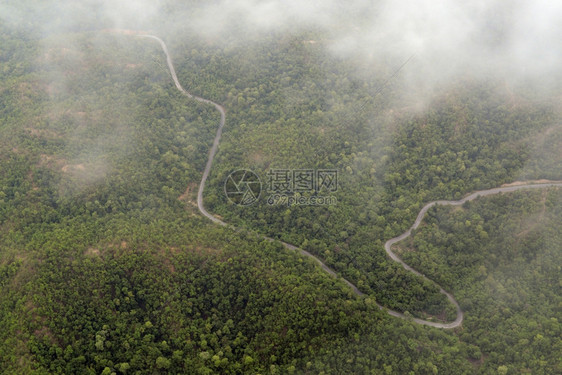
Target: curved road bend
column 387, row 246
column 217, row 139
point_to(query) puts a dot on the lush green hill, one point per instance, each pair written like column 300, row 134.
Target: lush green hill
column 501, row 257
column 106, row 265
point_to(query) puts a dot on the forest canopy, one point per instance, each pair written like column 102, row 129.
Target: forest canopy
column 108, row 267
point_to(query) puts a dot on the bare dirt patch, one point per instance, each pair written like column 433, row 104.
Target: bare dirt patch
column 189, row 193
column 45, row 333
column 51, row 161
column 73, row 167
column 93, row 252
column 42, row 133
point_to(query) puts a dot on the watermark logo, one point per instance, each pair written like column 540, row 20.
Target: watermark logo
column 301, row 180
column 290, row 187
column 300, row 200
column 301, row 187
column 242, row 187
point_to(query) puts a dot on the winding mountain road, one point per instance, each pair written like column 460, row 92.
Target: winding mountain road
column 388, row 245
column 217, row 139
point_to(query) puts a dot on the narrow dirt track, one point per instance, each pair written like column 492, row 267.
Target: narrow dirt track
column 388, row 245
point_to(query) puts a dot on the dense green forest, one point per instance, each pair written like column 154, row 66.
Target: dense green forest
column 389, row 165
column 501, row 257
column 106, row 265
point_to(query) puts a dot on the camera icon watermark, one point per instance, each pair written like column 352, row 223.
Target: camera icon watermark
column 242, row 187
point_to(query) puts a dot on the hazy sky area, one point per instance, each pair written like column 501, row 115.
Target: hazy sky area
column 518, row 39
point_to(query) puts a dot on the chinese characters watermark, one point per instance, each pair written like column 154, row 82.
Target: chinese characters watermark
column 291, row 187
column 301, row 180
